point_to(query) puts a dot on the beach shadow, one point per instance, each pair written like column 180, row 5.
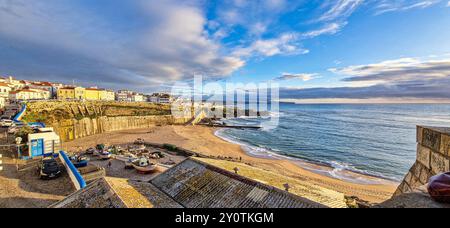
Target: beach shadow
column 23, row 202
column 30, row 182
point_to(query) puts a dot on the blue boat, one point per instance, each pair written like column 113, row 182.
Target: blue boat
column 79, row 161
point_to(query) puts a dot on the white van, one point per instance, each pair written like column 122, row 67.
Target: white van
column 6, row 123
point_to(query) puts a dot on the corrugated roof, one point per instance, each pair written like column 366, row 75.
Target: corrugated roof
column 299, row 187
column 194, row 184
column 190, row 184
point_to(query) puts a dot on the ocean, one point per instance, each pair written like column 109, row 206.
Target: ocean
column 373, row 139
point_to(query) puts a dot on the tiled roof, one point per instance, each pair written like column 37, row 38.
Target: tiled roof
column 136, row 194
column 98, row 194
column 46, row 84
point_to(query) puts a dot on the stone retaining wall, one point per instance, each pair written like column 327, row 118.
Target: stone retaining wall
column 71, row 129
column 433, row 157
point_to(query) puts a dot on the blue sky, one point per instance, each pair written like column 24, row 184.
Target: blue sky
column 340, row 49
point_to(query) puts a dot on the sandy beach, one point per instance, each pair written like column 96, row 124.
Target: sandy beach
column 203, row 140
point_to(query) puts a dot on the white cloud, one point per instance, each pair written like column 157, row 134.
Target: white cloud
column 285, row 44
column 329, row 29
column 423, row 4
column 170, row 45
column 304, row 77
column 448, row 4
column 386, row 6
column 340, row 9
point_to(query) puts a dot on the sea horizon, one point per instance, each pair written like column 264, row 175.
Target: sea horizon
column 386, row 151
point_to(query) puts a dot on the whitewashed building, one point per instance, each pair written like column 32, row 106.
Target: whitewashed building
column 29, row 94
column 138, row 97
column 5, row 89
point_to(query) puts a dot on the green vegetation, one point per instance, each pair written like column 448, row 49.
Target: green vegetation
column 170, row 147
column 23, row 133
column 35, row 117
column 55, row 111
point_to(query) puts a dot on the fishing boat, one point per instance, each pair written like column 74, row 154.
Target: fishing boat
column 125, row 157
column 129, row 163
column 143, row 165
column 90, row 151
column 104, row 155
column 128, row 158
column 102, row 152
column 80, row 161
column 139, row 141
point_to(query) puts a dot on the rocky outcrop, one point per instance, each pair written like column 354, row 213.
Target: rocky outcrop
column 433, row 157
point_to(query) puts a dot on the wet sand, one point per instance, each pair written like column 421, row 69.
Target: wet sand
column 203, row 140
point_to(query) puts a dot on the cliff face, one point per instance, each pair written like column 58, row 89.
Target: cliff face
column 73, row 120
column 54, row 111
column 74, row 129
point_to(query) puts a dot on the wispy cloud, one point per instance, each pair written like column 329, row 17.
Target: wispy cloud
column 386, row 6
column 286, row 44
column 340, row 9
column 304, row 77
column 328, row 29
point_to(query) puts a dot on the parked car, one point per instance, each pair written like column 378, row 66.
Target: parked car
column 90, row 151
column 6, row 123
column 13, row 130
column 18, row 124
column 15, row 127
column 49, row 169
column 79, row 161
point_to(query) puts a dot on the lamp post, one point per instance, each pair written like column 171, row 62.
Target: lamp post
column 18, row 142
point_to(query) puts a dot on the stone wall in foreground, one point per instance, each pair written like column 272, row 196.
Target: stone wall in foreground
column 433, row 157
column 71, row 129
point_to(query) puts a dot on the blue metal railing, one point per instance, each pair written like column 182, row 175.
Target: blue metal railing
column 19, row 115
column 79, row 181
